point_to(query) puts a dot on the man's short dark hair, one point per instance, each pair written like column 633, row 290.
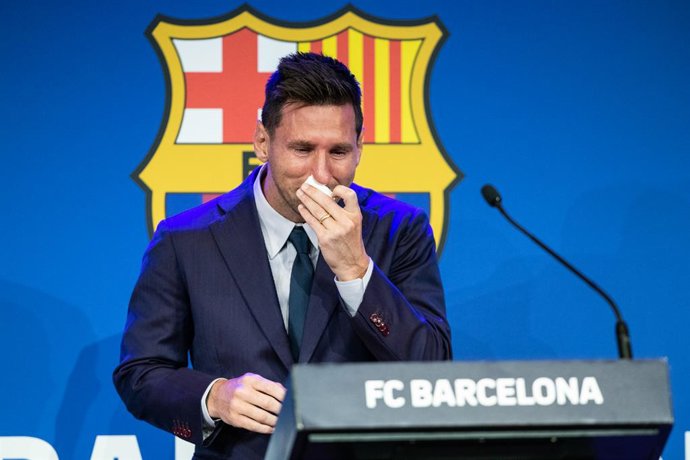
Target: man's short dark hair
column 310, row 79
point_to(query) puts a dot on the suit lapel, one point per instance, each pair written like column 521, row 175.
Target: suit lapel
column 322, row 303
column 238, row 236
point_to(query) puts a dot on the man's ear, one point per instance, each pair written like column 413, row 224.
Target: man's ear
column 261, row 142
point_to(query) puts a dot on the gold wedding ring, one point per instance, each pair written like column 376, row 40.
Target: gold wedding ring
column 324, row 218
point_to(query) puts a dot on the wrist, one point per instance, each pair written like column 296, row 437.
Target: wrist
column 356, row 271
column 212, row 399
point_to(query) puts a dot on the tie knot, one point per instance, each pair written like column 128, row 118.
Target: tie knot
column 299, row 239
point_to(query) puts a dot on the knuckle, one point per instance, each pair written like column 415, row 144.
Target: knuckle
column 263, row 429
column 233, row 420
column 263, row 418
column 265, row 401
column 234, row 405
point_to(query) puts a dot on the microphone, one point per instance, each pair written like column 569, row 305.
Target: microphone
column 494, row 199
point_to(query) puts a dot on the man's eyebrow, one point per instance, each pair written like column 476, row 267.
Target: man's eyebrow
column 300, row 144
column 343, row 147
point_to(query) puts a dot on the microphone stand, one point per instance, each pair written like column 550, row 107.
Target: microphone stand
column 622, row 335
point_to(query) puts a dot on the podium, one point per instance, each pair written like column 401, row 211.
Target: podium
column 475, row 410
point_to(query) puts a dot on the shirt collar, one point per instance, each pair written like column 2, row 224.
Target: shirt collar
column 274, row 227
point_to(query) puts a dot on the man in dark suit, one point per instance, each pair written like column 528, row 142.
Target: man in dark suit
column 277, row 272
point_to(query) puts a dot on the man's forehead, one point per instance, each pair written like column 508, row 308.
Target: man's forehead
column 315, row 120
column 292, row 106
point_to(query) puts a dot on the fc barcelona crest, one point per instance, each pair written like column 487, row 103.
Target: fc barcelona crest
column 216, row 71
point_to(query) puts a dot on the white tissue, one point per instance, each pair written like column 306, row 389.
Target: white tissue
column 311, row 181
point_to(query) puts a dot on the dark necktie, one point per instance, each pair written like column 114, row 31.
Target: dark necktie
column 300, row 288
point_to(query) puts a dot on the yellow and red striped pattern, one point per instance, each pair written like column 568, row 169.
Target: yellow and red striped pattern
column 383, row 68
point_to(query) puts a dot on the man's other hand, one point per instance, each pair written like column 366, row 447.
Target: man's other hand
column 249, row 401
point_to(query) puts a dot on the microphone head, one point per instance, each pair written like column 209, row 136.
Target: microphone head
column 491, row 195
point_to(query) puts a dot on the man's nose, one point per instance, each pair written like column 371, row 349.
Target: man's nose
column 320, row 168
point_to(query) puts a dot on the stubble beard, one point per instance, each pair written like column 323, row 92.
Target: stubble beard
column 292, row 203
column 288, row 203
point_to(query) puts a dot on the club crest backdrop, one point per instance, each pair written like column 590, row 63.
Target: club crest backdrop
column 117, row 114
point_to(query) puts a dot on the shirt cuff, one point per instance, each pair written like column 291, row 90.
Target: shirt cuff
column 352, row 292
column 209, row 424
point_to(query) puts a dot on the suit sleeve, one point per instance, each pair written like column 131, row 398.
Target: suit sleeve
column 153, row 378
column 402, row 315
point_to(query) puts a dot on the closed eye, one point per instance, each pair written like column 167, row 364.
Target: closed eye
column 301, row 146
column 341, row 150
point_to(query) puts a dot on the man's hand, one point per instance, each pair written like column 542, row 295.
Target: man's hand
column 339, row 230
column 249, row 401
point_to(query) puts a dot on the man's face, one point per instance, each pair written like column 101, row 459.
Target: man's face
column 311, row 139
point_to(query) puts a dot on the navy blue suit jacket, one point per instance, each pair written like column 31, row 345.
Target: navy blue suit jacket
column 206, row 291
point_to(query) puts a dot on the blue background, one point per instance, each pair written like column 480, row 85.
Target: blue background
column 578, row 111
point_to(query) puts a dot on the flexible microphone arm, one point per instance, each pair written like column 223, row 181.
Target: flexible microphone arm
column 494, row 199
